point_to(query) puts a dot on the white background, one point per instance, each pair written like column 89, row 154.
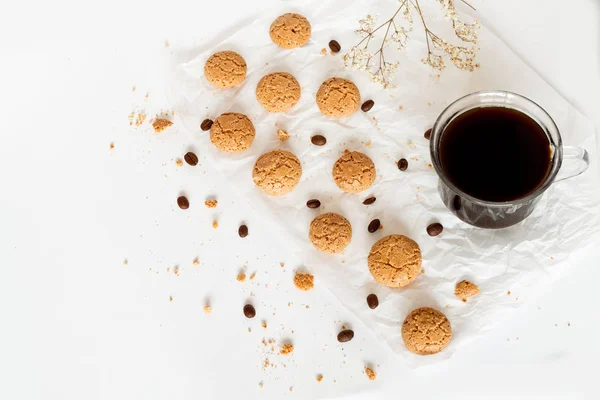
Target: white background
column 78, row 323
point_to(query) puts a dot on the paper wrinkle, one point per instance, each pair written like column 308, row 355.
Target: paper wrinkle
column 522, row 259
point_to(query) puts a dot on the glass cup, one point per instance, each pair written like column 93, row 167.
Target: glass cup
column 490, row 214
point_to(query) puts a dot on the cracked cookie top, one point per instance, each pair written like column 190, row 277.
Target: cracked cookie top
column 225, row 69
column 395, row 261
column 338, row 97
column 426, row 331
column 354, row 172
column 290, row 30
column 277, row 172
column 330, row 233
column 278, row 92
column 232, row 132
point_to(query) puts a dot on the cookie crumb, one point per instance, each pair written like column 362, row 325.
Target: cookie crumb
column 319, row 378
column 139, row 119
column 370, row 374
column 282, row 264
column 170, row 298
column 465, row 290
column 323, row 51
column 304, row 281
column 291, row 388
column 286, row 349
column 160, row 124
column 125, row 262
column 508, row 293
column 215, row 224
column 241, row 277
column 112, row 145
column 166, row 43
column 196, row 262
column 283, row 135
column 207, row 310
column 264, row 324
column 400, row 108
column 252, row 276
column 211, row 203
column 133, row 89
column 260, row 385
column 179, row 162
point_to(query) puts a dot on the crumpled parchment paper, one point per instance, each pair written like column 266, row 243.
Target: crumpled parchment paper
column 520, row 260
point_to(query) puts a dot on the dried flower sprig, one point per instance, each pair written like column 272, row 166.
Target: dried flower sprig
column 397, row 29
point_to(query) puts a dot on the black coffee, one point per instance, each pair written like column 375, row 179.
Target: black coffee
column 495, row 153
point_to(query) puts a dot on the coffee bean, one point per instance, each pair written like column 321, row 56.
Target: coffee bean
column 334, row 46
column 313, row 203
column 402, row 164
column 183, row 202
column 369, row 201
column 374, row 225
column 243, row 231
column 206, row 124
column 318, row 140
column 345, row 335
column 457, row 203
column 191, row 158
column 427, row 134
column 372, row 301
column 249, row 311
column 435, row 229
column 367, row 105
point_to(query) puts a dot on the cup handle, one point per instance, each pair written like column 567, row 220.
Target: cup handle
column 575, row 161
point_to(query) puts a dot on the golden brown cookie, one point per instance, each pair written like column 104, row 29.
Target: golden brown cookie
column 232, row 132
column 426, row 331
column 465, row 290
column 225, row 69
column 330, row 233
column 353, row 172
column 290, row 30
column 278, row 92
column 338, row 97
column 277, row 172
column 395, row 261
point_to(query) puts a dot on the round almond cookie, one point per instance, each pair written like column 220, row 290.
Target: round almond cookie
column 338, row 97
column 290, row 30
column 354, row 172
column 278, row 92
column 225, row 69
column 277, row 172
column 330, row 232
column 395, row 261
column 232, row 132
column 426, row 331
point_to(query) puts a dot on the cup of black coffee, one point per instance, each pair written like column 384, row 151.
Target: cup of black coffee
column 496, row 153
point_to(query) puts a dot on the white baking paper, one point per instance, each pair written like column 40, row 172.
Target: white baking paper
column 508, row 265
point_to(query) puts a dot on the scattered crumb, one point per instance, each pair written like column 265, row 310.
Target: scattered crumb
column 112, row 145
column 400, row 107
column 283, row 135
column 215, row 224
column 139, row 119
column 207, row 310
column 161, row 124
column 264, row 324
column 370, row 373
column 422, row 270
column 211, row 203
column 286, row 349
column 249, row 330
column 166, row 43
column 323, row 51
column 252, row 276
column 380, row 227
column 133, row 89
column 304, row 281
column 125, row 262
column 429, row 103
column 368, row 143
column 241, row 277
column 170, row 298
column 411, row 144
column 176, row 270
column 465, row 290
column 508, row 293
column 147, row 94
column 430, row 166
column 307, row 306
column 319, row 378
column 196, row 262
column 281, row 264
column 568, row 324
column 260, row 385
column 291, row 388
column 179, row 162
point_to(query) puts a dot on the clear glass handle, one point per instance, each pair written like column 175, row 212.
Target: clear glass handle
column 575, row 161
